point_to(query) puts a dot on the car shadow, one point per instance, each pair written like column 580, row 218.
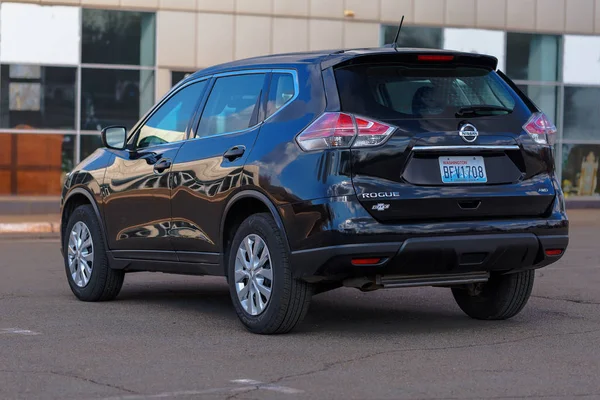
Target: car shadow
column 346, row 312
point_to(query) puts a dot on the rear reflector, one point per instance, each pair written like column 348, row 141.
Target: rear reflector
column 434, row 57
column 554, row 252
column 365, row 261
column 541, row 130
column 342, row 130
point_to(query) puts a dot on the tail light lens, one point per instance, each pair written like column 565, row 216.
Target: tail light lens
column 341, row 130
column 541, row 130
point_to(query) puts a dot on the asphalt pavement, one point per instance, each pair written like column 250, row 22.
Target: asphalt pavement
column 177, row 337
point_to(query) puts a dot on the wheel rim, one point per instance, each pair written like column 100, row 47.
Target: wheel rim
column 80, row 254
column 253, row 274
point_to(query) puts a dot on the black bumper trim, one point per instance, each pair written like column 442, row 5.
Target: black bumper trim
column 431, row 255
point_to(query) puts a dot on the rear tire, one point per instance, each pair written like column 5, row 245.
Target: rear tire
column 502, row 297
column 289, row 298
column 100, row 282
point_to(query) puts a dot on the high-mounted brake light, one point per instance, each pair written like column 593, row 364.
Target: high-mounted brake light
column 541, row 130
column 434, row 57
column 341, row 130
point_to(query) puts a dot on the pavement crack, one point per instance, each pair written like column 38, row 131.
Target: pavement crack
column 241, row 391
column 91, row 381
column 532, row 396
column 328, row 366
column 568, row 300
column 73, row 376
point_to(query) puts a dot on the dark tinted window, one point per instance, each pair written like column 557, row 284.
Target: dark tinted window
column 114, row 97
column 390, row 92
column 281, row 91
column 169, row 122
column 177, row 76
column 37, row 97
column 413, row 36
column 117, row 37
column 581, row 113
column 532, row 57
column 231, row 105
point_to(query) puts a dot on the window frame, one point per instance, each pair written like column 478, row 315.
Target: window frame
column 263, row 100
column 135, row 131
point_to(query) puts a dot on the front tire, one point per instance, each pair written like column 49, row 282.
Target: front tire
column 86, row 264
column 502, row 297
column 265, row 295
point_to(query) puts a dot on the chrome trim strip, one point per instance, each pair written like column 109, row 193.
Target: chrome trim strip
column 419, row 149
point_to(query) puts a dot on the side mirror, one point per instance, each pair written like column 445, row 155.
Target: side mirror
column 114, row 137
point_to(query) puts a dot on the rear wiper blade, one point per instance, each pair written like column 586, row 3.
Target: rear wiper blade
column 481, row 109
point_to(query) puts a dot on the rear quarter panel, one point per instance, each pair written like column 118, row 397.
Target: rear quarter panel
column 287, row 173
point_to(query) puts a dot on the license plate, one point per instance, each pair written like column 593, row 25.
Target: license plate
column 463, row 169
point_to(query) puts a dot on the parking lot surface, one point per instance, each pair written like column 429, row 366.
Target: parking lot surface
column 178, row 337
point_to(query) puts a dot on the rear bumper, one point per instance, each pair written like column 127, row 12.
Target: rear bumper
column 326, row 235
column 432, row 255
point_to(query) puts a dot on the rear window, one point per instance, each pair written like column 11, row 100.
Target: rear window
column 395, row 92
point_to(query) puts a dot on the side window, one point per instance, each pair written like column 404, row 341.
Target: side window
column 231, row 104
column 281, row 91
column 169, row 122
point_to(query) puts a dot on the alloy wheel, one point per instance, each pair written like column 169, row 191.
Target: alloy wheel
column 80, row 254
column 253, row 274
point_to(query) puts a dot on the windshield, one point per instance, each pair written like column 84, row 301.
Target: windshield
column 394, row 92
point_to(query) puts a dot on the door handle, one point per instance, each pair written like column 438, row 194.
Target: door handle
column 162, row 165
column 234, row 152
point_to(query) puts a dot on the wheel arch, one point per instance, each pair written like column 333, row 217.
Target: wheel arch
column 240, row 207
column 75, row 198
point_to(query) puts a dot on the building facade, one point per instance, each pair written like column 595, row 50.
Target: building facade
column 70, row 67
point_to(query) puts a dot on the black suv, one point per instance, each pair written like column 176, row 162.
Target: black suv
column 299, row 173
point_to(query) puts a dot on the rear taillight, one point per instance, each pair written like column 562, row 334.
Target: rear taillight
column 341, row 130
column 541, row 130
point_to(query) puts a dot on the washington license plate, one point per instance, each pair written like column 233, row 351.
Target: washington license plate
column 469, row 169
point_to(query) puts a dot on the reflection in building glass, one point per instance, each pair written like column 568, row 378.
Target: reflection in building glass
column 580, row 170
column 24, row 96
column 18, row 71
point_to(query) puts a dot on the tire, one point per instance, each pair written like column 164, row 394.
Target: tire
column 502, row 297
column 289, row 298
column 103, row 283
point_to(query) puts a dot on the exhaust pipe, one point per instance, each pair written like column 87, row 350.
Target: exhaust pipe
column 398, row 281
column 364, row 284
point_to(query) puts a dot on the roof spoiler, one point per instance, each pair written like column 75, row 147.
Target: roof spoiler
column 417, row 57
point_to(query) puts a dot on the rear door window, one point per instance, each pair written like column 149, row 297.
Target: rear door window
column 281, row 91
column 232, row 105
column 395, row 92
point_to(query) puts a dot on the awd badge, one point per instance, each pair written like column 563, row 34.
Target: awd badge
column 381, row 207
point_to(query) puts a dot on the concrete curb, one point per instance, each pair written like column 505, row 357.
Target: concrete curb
column 29, row 227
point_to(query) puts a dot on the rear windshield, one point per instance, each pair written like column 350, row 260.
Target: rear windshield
column 395, row 92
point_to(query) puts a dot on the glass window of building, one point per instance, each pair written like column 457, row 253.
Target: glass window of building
column 581, row 113
column 89, row 143
column 118, row 37
column 545, row 97
column 580, row 172
column 479, row 41
column 35, row 97
column 413, row 36
column 35, row 34
column 532, row 57
column 115, row 97
column 582, row 60
column 178, row 76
